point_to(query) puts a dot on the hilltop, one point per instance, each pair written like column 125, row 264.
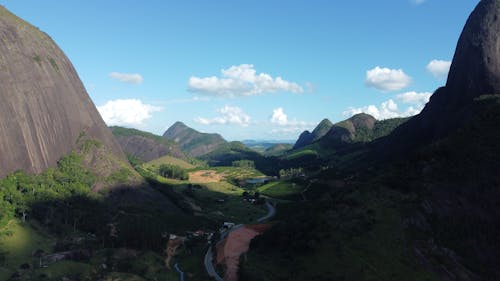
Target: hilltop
column 307, row 137
column 192, row 142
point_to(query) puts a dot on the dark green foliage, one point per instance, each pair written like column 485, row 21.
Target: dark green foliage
column 126, row 132
column 134, row 161
column 38, row 60
column 227, row 153
column 46, row 197
column 172, row 172
column 54, row 64
column 243, row 164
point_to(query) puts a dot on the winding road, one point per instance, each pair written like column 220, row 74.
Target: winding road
column 209, row 265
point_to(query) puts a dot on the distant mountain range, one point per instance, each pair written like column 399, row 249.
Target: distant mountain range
column 358, row 128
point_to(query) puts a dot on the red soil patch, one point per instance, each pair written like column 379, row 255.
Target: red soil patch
column 236, row 244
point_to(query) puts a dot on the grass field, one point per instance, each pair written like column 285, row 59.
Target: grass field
column 18, row 240
column 301, row 154
column 169, row 160
column 283, row 189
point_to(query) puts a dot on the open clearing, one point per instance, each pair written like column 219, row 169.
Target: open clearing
column 205, row 176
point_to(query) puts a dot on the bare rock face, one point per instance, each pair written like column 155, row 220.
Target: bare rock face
column 476, row 65
column 475, row 71
column 44, row 107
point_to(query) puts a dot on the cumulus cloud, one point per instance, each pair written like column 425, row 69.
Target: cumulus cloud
column 439, row 68
column 388, row 109
column 241, row 80
column 228, row 115
column 126, row 112
column 386, row 79
column 414, row 97
column 285, row 125
column 279, row 117
column 132, row 78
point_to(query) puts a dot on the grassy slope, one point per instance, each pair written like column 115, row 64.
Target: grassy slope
column 125, row 132
column 357, row 236
column 19, row 240
column 169, row 160
column 284, row 189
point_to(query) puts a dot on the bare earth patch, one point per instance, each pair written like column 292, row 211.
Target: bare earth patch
column 205, row 176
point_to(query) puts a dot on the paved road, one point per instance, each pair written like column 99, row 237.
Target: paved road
column 271, row 211
column 180, row 271
column 209, row 265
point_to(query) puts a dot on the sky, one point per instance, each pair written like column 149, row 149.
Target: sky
column 260, row 69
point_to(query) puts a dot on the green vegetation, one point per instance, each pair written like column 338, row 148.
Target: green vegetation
column 236, row 174
column 244, row 164
column 172, row 172
column 37, row 59
column 192, row 142
column 127, row 132
column 169, row 160
column 305, row 153
column 287, row 189
column 18, row 241
column 53, row 64
column 351, row 235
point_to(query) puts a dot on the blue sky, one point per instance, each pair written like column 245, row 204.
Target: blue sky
column 253, row 69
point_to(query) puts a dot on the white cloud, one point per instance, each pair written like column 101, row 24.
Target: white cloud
column 285, row 125
column 241, row 80
column 131, row 112
column 388, row 109
column 386, row 79
column 132, row 78
column 228, row 115
column 279, row 117
column 439, row 68
column 414, row 97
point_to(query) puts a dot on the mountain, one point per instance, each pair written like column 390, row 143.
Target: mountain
column 422, row 203
column 277, row 149
column 44, row 108
column 361, row 128
column 269, row 147
column 145, row 146
column 192, row 142
column 475, row 71
column 307, row 138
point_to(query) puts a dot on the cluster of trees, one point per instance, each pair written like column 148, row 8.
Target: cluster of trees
column 291, row 172
column 244, row 164
column 173, row 172
column 55, row 197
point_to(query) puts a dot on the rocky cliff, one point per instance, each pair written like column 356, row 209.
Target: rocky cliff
column 475, row 71
column 44, row 107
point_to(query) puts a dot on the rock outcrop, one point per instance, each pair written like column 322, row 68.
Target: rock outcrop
column 44, row 107
column 475, row 71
